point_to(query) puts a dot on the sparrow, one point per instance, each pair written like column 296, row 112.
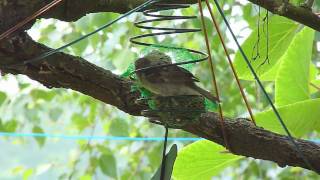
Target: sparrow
column 169, row 80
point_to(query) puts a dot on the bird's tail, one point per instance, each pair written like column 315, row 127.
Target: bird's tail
column 206, row 94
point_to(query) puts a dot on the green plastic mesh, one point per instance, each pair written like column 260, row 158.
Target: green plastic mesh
column 177, row 55
column 129, row 73
column 210, row 106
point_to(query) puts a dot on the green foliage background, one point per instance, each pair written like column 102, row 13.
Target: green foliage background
column 26, row 106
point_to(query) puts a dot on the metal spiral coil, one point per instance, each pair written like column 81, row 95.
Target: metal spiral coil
column 173, row 111
column 189, row 107
column 152, row 12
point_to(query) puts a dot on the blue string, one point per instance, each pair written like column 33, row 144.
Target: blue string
column 110, row 138
column 316, row 141
column 88, row 137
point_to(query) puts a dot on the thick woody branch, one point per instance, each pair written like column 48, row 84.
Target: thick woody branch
column 299, row 14
column 65, row 71
column 14, row 11
column 246, row 139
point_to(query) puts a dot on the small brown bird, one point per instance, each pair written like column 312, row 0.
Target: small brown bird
column 169, row 80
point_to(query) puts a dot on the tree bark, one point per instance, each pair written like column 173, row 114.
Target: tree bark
column 14, row 11
column 299, row 14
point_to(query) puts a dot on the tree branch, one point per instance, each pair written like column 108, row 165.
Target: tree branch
column 14, row 11
column 65, row 71
column 246, row 139
column 299, row 14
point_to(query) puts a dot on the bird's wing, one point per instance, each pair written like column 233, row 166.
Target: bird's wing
column 169, row 74
column 188, row 74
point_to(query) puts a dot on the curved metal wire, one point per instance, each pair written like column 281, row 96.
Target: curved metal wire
column 153, row 13
column 41, row 57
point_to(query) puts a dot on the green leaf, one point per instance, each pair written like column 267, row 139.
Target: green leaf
column 248, row 15
column 119, row 127
column 17, row 170
column 40, row 140
column 281, row 33
column 170, row 159
column 123, row 65
column 292, row 80
column 86, row 177
column 108, row 166
column 27, row 174
column 9, row 126
column 42, row 94
column 300, row 118
column 202, row 160
column 3, row 97
column 80, row 122
column 80, row 46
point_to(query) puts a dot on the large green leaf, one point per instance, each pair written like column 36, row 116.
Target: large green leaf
column 292, row 80
column 202, row 160
column 170, row 159
column 301, row 118
column 281, row 33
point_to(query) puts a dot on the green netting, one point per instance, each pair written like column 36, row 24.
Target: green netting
column 177, row 55
column 129, row 73
column 210, row 106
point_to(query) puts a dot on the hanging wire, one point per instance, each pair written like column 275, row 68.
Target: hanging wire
column 214, row 82
column 256, row 46
column 230, row 62
column 30, row 18
column 315, row 86
column 49, row 53
column 265, row 30
column 266, row 23
column 163, row 163
column 291, row 139
column 153, row 13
